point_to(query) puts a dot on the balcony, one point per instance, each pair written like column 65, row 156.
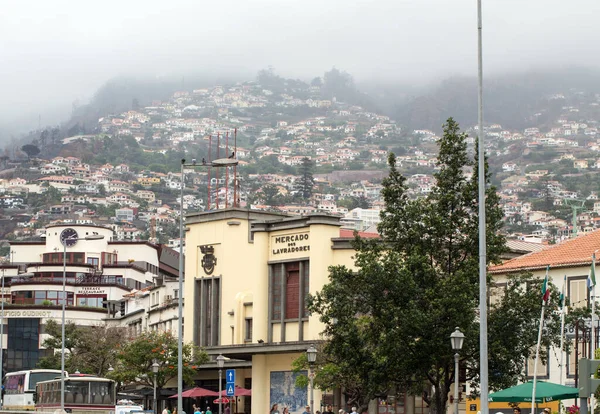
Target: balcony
column 80, row 279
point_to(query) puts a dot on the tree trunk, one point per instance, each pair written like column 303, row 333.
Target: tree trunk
column 439, row 399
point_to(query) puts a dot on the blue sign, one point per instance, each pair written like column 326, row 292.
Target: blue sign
column 230, row 388
column 230, row 375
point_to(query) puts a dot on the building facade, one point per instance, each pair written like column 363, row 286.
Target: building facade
column 100, row 275
column 570, row 263
column 248, row 275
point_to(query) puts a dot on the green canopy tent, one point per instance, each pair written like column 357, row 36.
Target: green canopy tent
column 544, row 392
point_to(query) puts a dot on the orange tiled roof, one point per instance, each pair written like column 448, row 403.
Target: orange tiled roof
column 347, row 233
column 570, row 253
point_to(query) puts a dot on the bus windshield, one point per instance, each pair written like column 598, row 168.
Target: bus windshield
column 14, row 384
column 36, row 377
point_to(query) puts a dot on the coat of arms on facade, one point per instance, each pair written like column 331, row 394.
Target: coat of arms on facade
column 209, row 261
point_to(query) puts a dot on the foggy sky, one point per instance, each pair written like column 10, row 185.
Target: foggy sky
column 55, row 51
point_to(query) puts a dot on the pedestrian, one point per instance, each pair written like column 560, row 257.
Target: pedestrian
column 328, row 410
column 227, row 410
column 341, row 411
column 306, row 410
column 286, row 410
column 196, row 410
column 208, row 410
column 175, row 410
column 547, row 410
column 274, row 409
column 353, row 410
column 516, row 410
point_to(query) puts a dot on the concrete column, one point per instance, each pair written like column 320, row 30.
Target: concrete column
column 261, row 385
column 409, row 404
column 372, row 407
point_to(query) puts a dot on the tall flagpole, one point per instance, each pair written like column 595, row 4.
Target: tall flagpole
column 483, row 325
column 593, row 281
column 593, row 342
column 545, row 292
column 562, row 328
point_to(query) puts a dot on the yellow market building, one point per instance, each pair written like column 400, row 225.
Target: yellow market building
column 247, row 276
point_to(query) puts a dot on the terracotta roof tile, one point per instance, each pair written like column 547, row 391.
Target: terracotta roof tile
column 348, row 233
column 570, row 253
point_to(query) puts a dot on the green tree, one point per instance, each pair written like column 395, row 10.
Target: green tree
column 388, row 322
column 270, row 195
column 305, row 183
column 135, row 359
column 92, row 349
column 31, row 150
column 355, row 202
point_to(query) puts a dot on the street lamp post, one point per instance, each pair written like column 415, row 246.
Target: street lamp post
column 220, row 364
column 2, row 340
column 456, row 338
column 180, row 301
column 311, row 355
column 155, row 367
column 65, row 241
column 216, row 163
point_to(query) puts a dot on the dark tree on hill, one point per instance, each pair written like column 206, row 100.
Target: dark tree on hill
column 270, row 195
column 355, row 202
column 316, row 82
column 388, row 321
column 44, row 138
column 306, row 182
column 31, row 150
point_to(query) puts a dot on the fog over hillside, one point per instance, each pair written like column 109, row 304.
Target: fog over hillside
column 59, row 53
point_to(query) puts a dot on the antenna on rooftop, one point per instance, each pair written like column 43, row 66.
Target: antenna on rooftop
column 575, row 205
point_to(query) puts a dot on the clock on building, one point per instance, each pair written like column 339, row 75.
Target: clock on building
column 68, row 237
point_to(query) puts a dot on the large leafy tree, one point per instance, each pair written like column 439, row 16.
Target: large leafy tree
column 135, row 359
column 388, row 322
column 91, row 349
column 31, row 150
column 305, row 183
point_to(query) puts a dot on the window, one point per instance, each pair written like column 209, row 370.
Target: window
column 248, row 330
column 39, row 297
column 289, row 286
column 495, row 293
column 542, row 369
column 578, row 292
column 208, row 311
column 109, row 258
column 23, row 344
column 94, row 261
column 71, row 257
column 292, row 290
column 95, row 301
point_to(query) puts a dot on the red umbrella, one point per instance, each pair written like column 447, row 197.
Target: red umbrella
column 222, row 400
column 239, row 392
column 197, row 392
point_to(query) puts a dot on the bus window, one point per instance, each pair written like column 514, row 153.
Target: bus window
column 15, row 384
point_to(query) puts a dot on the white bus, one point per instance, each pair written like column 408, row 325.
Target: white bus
column 19, row 387
column 84, row 394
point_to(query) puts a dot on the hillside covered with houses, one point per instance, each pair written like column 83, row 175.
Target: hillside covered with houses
column 300, row 150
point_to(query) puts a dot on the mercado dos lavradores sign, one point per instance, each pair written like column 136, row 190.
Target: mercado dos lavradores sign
column 290, row 243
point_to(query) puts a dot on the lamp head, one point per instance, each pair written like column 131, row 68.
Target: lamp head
column 311, row 354
column 220, row 361
column 457, row 338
